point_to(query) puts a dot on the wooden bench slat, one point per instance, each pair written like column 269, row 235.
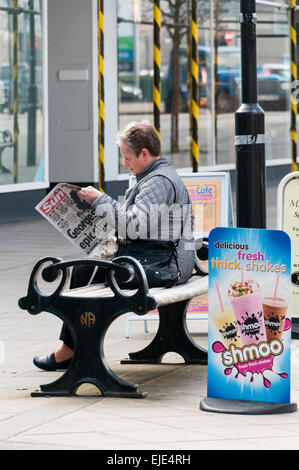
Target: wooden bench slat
column 95, row 290
column 195, row 286
column 88, row 288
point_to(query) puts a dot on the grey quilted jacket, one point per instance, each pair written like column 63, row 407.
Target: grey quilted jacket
column 156, row 207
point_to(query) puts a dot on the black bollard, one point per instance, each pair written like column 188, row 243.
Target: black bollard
column 250, row 131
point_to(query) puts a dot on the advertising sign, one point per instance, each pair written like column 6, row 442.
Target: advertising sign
column 210, row 195
column 205, row 198
column 249, row 324
column 288, row 220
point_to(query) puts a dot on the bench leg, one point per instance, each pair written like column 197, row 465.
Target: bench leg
column 172, row 336
column 88, row 365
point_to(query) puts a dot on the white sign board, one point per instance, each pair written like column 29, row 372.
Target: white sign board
column 288, row 220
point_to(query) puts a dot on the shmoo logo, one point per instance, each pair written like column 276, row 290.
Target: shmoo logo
column 53, row 201
column 230, row 331
column 251, row 325
column 274, row 323
column 255, row 359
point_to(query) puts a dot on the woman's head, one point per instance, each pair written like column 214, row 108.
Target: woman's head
column 137, row 136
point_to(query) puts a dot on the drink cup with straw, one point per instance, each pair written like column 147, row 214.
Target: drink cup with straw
column 225, row 322
column 275, row 311
column 246, row 301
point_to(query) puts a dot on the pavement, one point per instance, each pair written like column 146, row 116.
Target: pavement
column 168, row 419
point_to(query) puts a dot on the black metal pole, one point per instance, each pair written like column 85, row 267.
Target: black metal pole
column 250, row 131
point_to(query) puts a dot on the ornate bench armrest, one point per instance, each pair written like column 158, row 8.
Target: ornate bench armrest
column 139, row 302
column 122, row 267
column 35, row 301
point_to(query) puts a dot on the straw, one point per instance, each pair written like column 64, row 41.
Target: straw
column 276, row 286
column 219, row 297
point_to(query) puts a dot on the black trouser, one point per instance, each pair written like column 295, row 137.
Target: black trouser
column 81, row 276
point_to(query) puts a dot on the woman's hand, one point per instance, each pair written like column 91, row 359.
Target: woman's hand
column 89, row 194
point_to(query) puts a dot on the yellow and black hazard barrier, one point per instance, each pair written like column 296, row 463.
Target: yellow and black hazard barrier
column 157, row 66
column 293, row 45
column 194, row 87
column 101, row 159
column 15, row 92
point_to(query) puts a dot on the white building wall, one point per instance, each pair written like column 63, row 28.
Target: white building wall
column 71, row 71
column 73, row 90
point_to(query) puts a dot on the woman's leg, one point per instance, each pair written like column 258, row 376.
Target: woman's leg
column 81, row 276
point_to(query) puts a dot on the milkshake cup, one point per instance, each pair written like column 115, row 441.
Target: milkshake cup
column 275, row 307
column 226, row 326
column 246, row 301
column 275, row 312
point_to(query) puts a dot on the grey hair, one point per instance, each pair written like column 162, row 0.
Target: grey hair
column 138, row 135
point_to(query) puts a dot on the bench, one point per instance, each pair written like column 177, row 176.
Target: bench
column 89, row 311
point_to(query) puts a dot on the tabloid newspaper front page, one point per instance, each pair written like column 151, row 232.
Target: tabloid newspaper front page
column 73, row 217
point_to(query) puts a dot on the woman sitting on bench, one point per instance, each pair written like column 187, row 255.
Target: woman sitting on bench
column 157, row 217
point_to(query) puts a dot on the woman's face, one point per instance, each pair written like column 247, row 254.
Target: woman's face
column 136, row 164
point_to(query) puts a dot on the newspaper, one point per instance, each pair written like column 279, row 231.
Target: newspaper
column 73, row 217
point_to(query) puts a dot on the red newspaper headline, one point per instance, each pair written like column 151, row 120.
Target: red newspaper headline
column 53, row 201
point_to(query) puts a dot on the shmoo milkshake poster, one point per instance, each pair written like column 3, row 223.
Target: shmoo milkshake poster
column 249, row 323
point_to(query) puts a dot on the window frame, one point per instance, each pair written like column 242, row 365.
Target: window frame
column 34, row 185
